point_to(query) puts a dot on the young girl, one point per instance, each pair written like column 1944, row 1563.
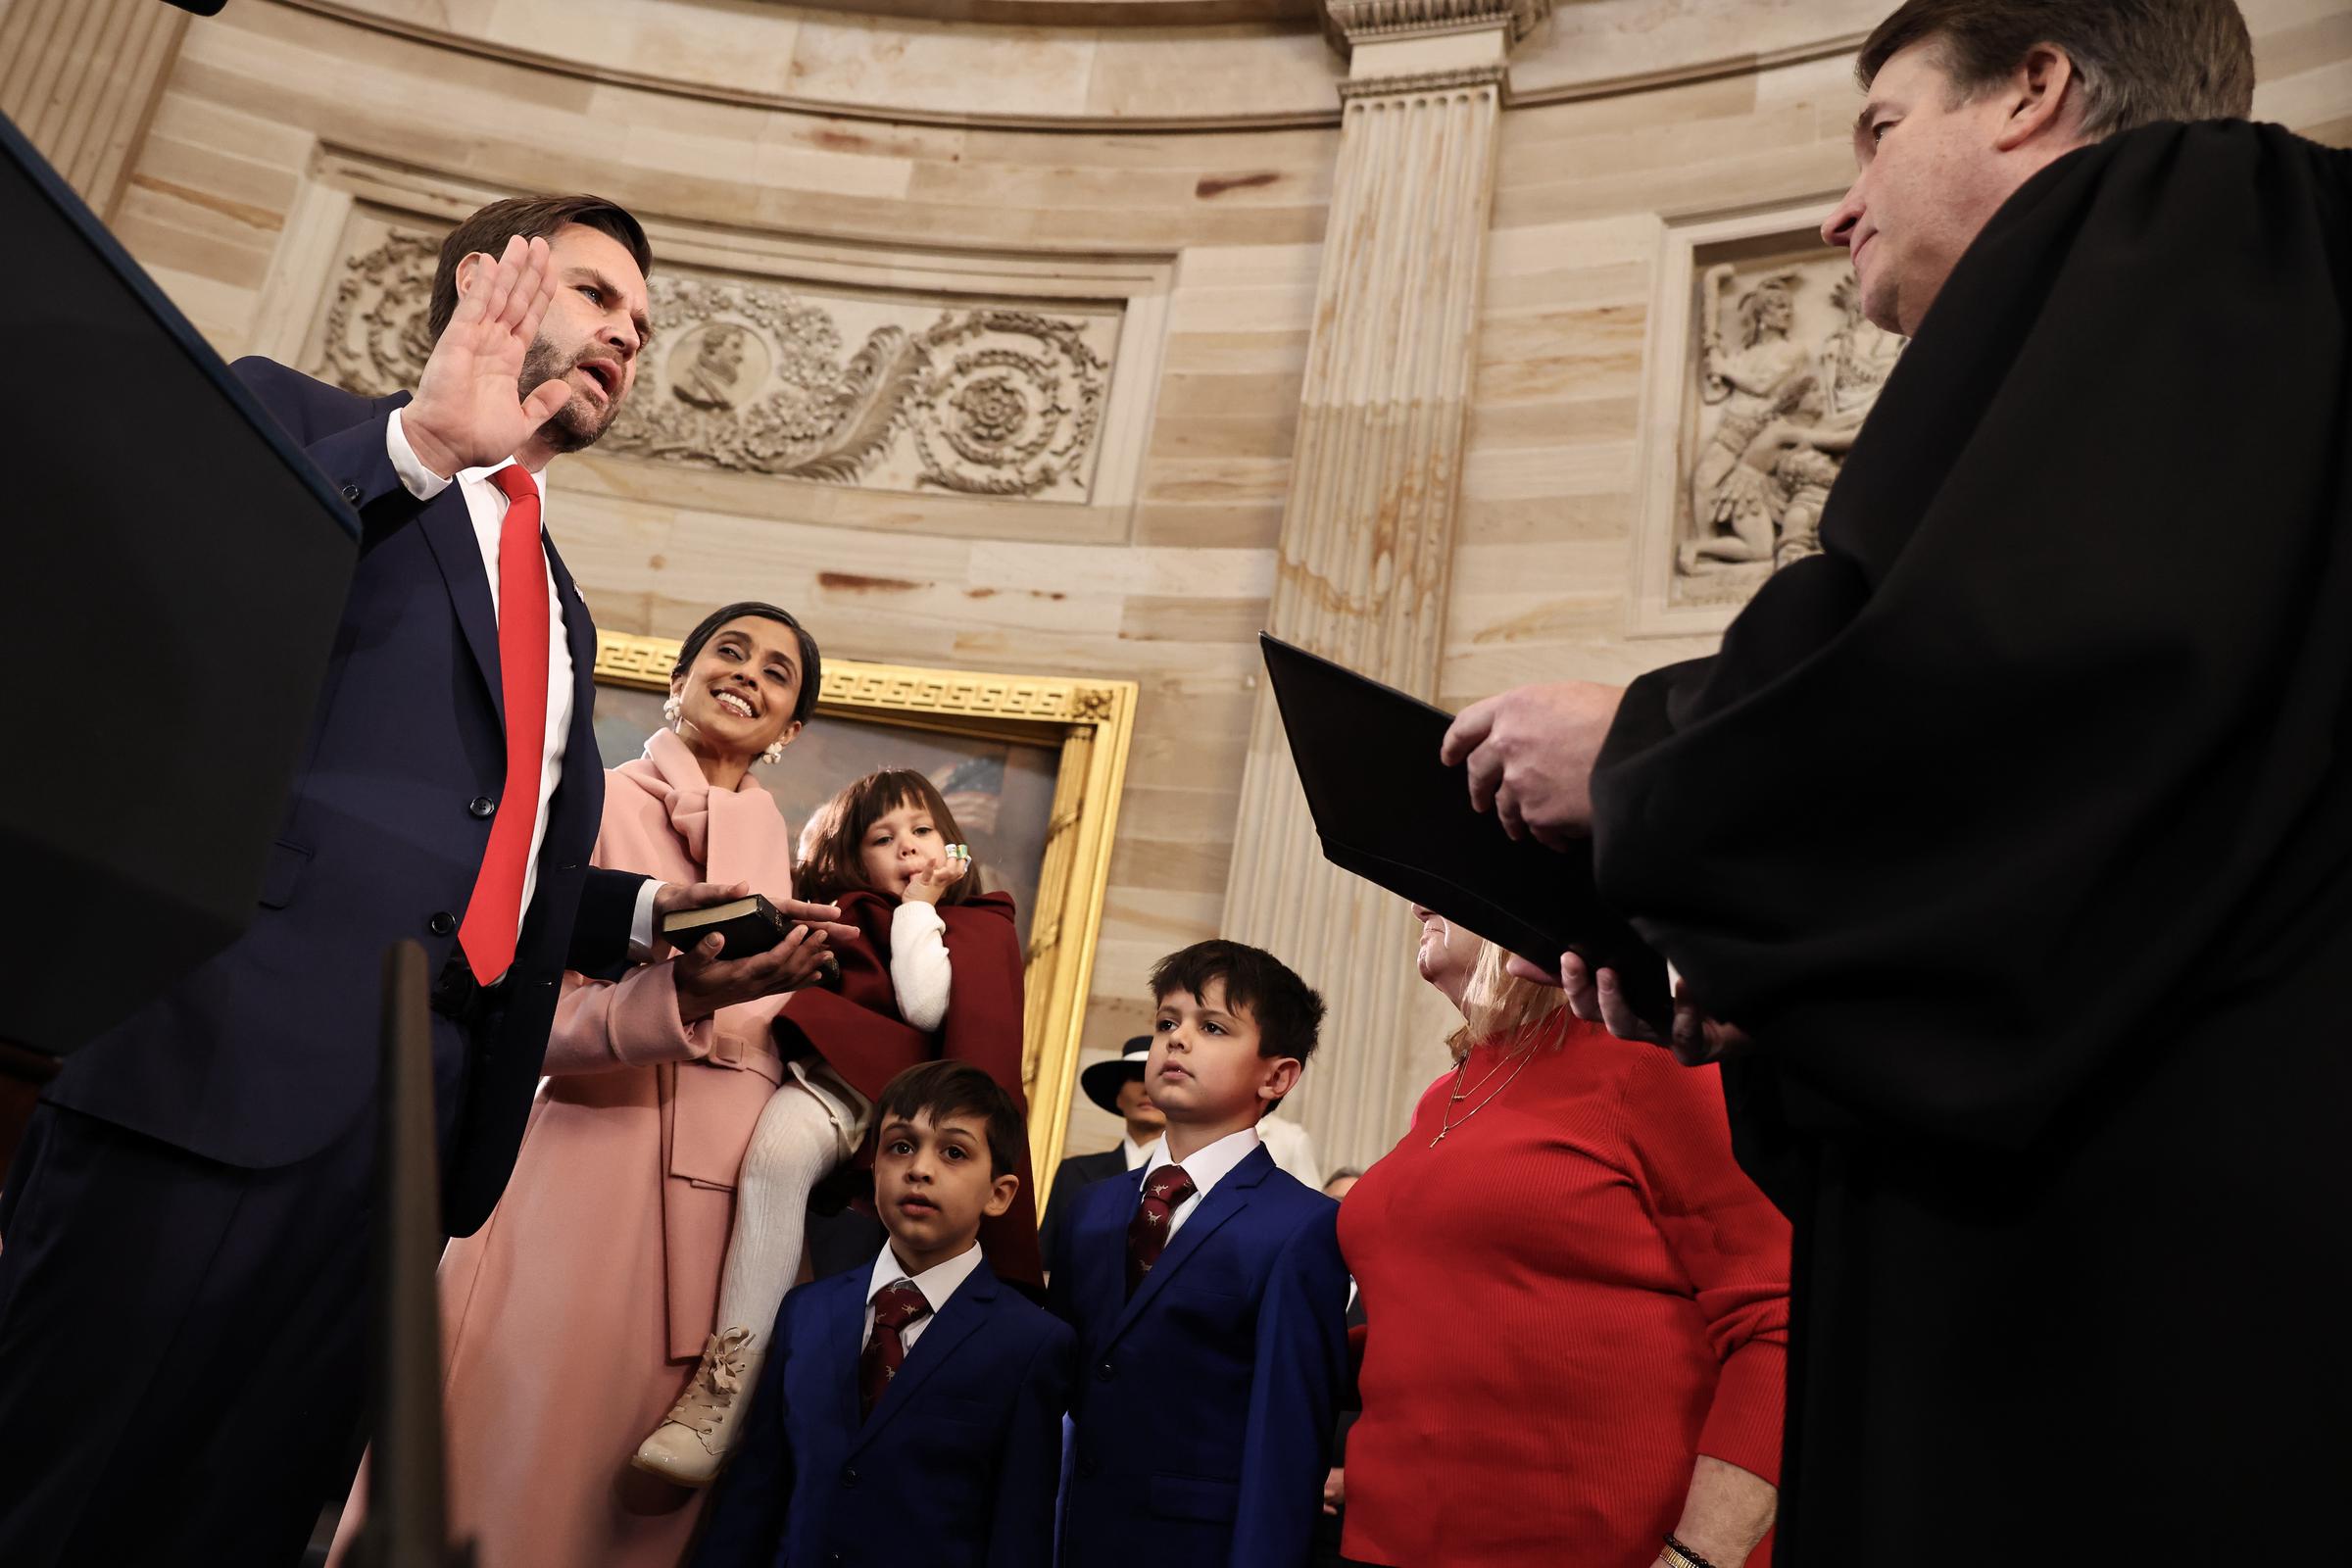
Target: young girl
column 935, row 972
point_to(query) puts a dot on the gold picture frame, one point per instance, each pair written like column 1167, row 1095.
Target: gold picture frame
column 1087, row 724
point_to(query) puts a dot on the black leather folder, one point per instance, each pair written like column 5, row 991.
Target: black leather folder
column 1390, row 812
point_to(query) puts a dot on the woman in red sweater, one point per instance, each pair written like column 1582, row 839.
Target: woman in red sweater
column 1576, row 1306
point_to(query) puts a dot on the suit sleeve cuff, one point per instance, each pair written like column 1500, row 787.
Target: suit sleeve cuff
column 423, row 482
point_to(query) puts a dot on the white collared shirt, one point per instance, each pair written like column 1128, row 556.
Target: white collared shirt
column 937, row 1282
column 1133, row 1153
column 1206, row 1167
column 486, row 505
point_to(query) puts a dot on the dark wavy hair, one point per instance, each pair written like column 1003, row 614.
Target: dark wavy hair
column 944, row 1089
column 830, row 862
column 813, row 672
column 2140, row 60
column 1285, row 1009
column 533, row 218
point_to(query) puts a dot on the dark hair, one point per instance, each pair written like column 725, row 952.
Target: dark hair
column 2140, row 60
column 831, row 863
column 944, row 1089
column 533, row 218
column 1285, row 1009
column 812, row 670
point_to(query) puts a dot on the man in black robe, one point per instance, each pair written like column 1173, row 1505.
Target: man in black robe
column 2011, row 838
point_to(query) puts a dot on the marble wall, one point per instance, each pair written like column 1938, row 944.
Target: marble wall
column 1171, row 182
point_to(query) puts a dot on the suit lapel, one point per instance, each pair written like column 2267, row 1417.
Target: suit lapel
column 844, row 1344
column 447, row 524
column 956, row 1322
column 579, row 635
column 1103, row 1258
column 1224, row 1200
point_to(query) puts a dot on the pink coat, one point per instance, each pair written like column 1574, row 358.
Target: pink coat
column 573, row 1318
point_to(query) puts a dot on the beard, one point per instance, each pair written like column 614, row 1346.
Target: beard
column 577, row 425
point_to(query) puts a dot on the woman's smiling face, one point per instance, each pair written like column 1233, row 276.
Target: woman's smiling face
column 737, row 698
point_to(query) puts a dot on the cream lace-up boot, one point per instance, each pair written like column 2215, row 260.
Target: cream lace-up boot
column 693, row 1441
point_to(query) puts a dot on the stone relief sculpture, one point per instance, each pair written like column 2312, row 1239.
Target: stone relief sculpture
column 756, row 377
column 1778, row 407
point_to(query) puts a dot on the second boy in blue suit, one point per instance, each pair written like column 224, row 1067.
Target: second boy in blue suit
column 1208, row 1296
column 910, row 1413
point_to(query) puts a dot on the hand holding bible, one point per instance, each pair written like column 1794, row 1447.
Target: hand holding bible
column 469, row 410
column 675, row 897
column 1530, row 753
column 707, row 980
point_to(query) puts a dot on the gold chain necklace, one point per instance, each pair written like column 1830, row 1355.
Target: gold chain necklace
column 1459, row 1093
column 1446, row 1123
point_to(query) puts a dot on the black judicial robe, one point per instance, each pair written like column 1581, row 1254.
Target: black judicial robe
column 2016, row 829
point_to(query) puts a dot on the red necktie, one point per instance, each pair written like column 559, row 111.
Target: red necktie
column 494, row 915
column 1164, row 1191
column 895, row 1306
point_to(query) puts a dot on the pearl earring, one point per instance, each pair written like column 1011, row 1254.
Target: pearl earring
column 774, row 753
column 669, row 711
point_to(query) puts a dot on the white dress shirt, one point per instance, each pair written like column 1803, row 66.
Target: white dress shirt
column 1133, row 1153
column 937, row 1282
column 486, row 506
column 1206, row 1167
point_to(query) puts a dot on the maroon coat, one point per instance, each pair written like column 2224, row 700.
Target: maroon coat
column 861, row 1036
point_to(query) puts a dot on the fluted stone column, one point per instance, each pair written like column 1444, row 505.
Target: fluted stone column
column 1368, row 535
column 81, row 80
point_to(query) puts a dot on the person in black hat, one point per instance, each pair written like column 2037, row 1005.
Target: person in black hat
column 1118, row 1086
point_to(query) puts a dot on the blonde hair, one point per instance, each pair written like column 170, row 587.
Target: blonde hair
column 1497, row 1002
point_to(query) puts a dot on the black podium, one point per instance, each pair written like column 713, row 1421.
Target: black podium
column 172, row 569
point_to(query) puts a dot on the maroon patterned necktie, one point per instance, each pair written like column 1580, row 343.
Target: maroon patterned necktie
column 1164, row 1191
column 895, row 1306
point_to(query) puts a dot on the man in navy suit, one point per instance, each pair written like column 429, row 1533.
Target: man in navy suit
column 1208, row 1296
column 187, row 1230
column 910, row 1413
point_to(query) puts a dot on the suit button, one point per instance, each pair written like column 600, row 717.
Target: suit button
column 481, row 805
column 442, row 924
column 351, row 493
column 1086, row 1467
column 849, row 1477
column 1102, row 1373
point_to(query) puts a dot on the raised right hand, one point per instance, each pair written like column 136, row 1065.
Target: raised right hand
column 707, row 981
column 469, row 410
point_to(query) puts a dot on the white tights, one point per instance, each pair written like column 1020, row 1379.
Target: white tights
column 792, row 1148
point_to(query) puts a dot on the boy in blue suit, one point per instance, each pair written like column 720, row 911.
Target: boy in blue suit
column 1208, row 1296
column 909, row 1412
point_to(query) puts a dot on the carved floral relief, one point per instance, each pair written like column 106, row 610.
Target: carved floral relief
column 888, row 392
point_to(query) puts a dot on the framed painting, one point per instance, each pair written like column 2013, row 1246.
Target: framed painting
column 1031, row 766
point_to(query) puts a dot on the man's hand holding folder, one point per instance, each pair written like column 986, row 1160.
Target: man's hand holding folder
column 1389, row 807
column 1530, row 753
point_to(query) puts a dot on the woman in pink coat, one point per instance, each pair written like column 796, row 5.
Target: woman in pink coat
column 571, row 1320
